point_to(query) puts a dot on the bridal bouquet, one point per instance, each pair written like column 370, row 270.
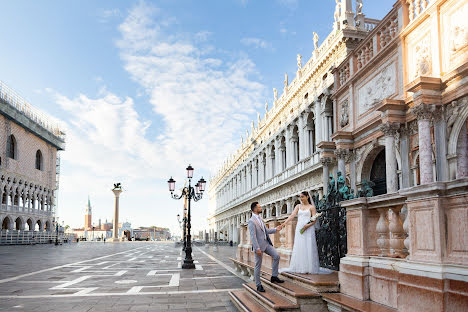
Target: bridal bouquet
column 312, row 219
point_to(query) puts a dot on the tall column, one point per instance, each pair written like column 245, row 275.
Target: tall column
column 318, row 122
column 278, row 167
column 351, row 159
column 288, row 146
column 269, row 167
column 404, row 154
column 255, row 172
column 300, row 126
column 440, row 136
column 462, row 151
column 249, row 177
column 390, row 130
column 326, row 162
column 424, row 114
column 341, row 156
column 115, row 234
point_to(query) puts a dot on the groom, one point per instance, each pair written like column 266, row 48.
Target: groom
column 261, row 243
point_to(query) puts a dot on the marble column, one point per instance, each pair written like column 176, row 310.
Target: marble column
column 390, row 130
column 462, row 151
column 115, row 232
column 289, row 204
column 289, row 157
column 300, row 126
column 278, row 167
column 269, row 167
column 318, row 122
column 440, row 136
column 341, row 156
column 404, row 154
column 424, row 114
column 326, row 162
column 351, row 160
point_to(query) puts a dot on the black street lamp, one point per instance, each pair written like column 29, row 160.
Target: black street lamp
column 190, row 193
column 93, row 233
column 56, row 233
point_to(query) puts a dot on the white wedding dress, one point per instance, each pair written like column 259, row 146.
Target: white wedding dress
column 304, row 257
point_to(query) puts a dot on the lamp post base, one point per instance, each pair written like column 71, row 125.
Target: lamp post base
column 188, row 264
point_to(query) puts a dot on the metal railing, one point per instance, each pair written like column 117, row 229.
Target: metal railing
column 12, row 98
column 15, row 237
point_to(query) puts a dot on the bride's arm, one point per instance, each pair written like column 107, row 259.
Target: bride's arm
column 293, row 214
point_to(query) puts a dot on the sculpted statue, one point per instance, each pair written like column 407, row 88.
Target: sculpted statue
column 366, row 189
column 285, row 80
column 266, row 107
column 275, row 92
column 331, row 184
column 358, row 7
column 337, row 10
column 258, row 118
column 316, row 40
column 299, row 61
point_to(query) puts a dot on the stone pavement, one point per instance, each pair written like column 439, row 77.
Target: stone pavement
column 130, row 276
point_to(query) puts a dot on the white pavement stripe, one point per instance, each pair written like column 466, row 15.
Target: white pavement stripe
column 174, row 282
column 135, row 290
column 198, row 267
column 165, row 293
column 152, row 272
column 207, row 277
column 222, row 264
column 14, row 278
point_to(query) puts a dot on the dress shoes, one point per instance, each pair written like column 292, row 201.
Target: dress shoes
column 260, row 288
column 275, row 279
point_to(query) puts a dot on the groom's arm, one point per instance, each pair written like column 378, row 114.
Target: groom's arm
column 270, row 231
column 253, row 236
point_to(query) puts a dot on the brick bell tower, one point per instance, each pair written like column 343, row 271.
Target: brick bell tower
column 88, row 216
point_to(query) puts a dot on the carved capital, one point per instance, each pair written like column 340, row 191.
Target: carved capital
column 341, row 153
column 350, row 156
column 326, row 161
column 423, row 111
column 439, row 113
column 405, row 131
column 389, row 128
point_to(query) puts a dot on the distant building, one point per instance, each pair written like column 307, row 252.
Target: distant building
column 152, row 233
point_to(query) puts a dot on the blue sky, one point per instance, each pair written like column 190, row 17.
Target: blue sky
column 145, row 87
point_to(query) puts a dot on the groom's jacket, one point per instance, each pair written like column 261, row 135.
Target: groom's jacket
column 259, row 234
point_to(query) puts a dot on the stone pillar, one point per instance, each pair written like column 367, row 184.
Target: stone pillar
column 440, row 136
column 254, row 172
column 341, row 156
column 262, row 170
column 424, row 114
column 326, row 162
column 289, row 160
column 462, row 149
column 404, row 154
column 115, row 232
column 278, row 167
column 351, row 159
column 318, row 122
column 391, row 167
column 300, row 126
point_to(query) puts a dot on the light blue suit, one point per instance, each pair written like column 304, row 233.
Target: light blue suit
column 259, row 241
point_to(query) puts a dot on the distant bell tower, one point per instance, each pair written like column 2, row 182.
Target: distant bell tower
column 88, row 214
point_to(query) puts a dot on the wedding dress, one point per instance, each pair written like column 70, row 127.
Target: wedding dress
column 304, row 257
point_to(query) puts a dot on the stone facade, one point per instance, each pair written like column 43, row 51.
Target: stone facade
column 394, row 112
column 29, row 142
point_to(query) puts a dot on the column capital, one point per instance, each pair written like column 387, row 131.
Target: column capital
column 326, row 161
column 439, row 113
column 423, row 111
column 405, row 131
column 341, row 153
column 390, row 128
column 350, row 156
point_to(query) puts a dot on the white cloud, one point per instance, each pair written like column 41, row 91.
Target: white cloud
column 200, row 101
column 106, row 15
column 256, row 43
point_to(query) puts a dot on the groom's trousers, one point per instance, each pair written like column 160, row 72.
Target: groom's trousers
column 270, row 250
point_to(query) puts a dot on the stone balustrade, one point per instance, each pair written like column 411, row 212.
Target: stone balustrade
column 416, row 7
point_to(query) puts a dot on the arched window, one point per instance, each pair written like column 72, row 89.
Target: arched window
column 39, row 160
column 12, row 151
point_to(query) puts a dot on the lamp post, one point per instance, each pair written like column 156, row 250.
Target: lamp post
column 195, row 193
column 93, row 232
column 56, row 233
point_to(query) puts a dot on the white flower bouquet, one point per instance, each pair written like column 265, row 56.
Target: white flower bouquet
column 312, row 219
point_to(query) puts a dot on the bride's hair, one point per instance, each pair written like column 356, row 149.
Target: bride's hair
column 306, row 194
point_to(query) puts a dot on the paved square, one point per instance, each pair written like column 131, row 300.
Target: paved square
column 131, row 276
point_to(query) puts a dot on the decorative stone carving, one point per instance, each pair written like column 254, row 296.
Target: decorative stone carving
column 266, row 107
column 316, row 40
column 299, row 62
column 382, row 230
column 423, row 58
column 285, row 80
column 390, row 129
column 275, row 93
column 458, row 33
column 358, row 7
column 382, row 86
column 344, row 116
column 453, row 111
column 423, row 111
column 341, row 153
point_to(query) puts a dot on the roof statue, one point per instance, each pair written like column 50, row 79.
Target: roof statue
column 316, row 40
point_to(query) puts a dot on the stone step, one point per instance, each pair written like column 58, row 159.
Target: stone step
column 341, row 302
column 245, row 302
column 289, row 290
column 316, row 282
column 271, row 300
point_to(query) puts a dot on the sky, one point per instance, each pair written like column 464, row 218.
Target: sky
column 144, row 88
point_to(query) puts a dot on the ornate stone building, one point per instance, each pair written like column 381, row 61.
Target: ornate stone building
column 29, row 164
column 400, row 114
column 289, row 149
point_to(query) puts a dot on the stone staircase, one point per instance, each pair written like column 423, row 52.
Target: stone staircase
column 299, row 292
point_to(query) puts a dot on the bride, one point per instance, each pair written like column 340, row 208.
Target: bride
column 304, row 257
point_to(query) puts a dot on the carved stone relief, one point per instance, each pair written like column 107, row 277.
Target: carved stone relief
column 382, row 86
column 423, row 56
column 344, row 116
